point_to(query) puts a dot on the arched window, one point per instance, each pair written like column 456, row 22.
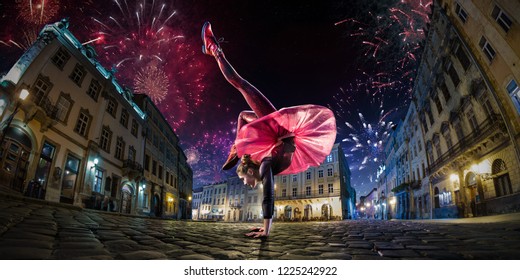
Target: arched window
column 501, row 178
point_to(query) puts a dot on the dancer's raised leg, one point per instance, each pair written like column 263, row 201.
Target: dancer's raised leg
column 254, row 98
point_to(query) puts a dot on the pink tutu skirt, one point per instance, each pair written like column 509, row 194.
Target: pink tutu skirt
column 313, row 128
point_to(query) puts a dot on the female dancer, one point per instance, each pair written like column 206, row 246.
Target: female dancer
column 270, row 141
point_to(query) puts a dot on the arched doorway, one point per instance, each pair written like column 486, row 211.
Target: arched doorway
column 126, row 199
column 326, row 211
column 14, row 157
column 297, row 213
column 501, row 178
column 287, row 212
column 307, row 212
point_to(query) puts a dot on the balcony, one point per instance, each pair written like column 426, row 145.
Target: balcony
column 132, row 169
column 235, row 205
column 469, row 142
column 42, row 110
column 312, row 194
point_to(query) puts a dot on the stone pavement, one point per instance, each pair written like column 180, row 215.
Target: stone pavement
column 39, row 230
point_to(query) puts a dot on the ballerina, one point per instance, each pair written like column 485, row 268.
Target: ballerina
column 271, row 142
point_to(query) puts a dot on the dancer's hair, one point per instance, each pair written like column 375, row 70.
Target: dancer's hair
column 245, row 163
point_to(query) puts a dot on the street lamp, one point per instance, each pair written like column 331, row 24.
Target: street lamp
column 23, row 95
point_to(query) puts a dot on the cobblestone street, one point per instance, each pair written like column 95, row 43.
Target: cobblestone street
column 40, row 230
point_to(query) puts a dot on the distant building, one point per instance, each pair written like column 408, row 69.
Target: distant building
column 319, row 193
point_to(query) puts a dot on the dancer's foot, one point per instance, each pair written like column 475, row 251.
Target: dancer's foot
column 210, row 44
column 232, row 159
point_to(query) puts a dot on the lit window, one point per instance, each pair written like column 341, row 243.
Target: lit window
column 329, row 158
column 98, row 179
column 487, row 48
column 63, row 105
column 501, row 18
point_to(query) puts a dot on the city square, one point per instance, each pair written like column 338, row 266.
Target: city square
column 395, row 136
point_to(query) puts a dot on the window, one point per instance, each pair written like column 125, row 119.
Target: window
column 320, row 189
column 331, row 188
column 255, row 199
column 430, row 116
column 294, row 192
column 284, row 193
column 105, row 139
column 41, row 88
column 472, row 119
column 320, row 173
column 487, row 48
column 112, row 107
column 63, row 105
column 438, row 105
column 461, row 13
column 308, row 175
column 463, row 58
column 295, row 178
column 167, row 177
column 161, row 172
column 445, row 92
column 60, row 58
column 78, row 74
column 98, row 178
column 154, row 167
column 329, row 158
column 501, row 178
column 501, row 18
column 447, row 137
column 120, row 148
column 437, row 144
column 458, row 130
column 124, row 118
column 454, row 76
column 329, row 172
column 135, row 128
column 147, row 162
column 514, row 93
column 94, row 89
column 308, row 191
column 284, row 179
column 83, row 123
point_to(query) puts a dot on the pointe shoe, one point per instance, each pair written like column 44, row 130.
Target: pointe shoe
column 232, row 159
column 210, row 44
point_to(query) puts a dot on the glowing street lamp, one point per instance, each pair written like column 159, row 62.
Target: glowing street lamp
column 23, row 95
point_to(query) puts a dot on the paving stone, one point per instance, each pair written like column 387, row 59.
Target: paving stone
column 398, row 253
column 24, row 253
column 387, row 246
column 78, row 253
column 142, row 255
column 335, row 256
column 228, row 255
column 6, row 242
column 196, row 257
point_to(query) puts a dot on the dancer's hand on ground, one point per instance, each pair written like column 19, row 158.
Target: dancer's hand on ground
column 256, row 232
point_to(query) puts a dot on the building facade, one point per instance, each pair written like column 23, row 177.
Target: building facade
column 78, row 137
column 465, row 100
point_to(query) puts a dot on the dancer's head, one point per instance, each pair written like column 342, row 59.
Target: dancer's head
column 249, row 171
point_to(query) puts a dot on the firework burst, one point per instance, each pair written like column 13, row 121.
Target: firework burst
column 153, row 81
column 37, row 12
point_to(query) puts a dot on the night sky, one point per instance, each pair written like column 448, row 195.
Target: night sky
column 356, row 57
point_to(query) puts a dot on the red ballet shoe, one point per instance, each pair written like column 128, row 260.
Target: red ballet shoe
column 210, row 44
column 232, row 159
